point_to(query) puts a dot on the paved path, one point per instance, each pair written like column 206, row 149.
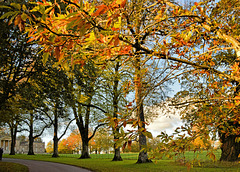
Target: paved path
column 42, row 166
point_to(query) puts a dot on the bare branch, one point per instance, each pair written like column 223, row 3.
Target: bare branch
column 66, row 129
column 95, row 130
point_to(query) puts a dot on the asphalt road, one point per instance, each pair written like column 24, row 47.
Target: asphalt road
column 42, row 166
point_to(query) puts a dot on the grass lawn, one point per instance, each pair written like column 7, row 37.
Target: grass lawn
column 12, row 167
column 103, row 163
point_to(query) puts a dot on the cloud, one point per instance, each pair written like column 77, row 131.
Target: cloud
column 165, row 123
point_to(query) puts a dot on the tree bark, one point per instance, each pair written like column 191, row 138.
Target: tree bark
column 30, row 137
column 14, row 138
column 55, row 138
column 117, row 155
column 30, row 149
column 230, row 148
column 143, row 156
column 85, row 152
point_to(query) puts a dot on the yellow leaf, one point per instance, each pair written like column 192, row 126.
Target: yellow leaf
column 91, row 37
column 119, row 23
column 24, row 7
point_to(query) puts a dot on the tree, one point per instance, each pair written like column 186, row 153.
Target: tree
column 49, row 147
column 34, row 118
column 63, row 147
column 72, row 143
column 115, row 76
column 216, row 109
column 103, row 141
column 13, row 122
column 175, row 34
column 50, row 87
column 140, row 37
column 83, row 86
column 19, row 59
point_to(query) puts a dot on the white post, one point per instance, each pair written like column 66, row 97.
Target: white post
column 4, row 145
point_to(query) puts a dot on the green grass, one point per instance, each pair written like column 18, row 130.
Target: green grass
column 125, row 156
column 12, row 167
column 103, row 162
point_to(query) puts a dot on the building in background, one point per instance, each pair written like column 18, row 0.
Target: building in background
column 22, row 145
column 5, row 143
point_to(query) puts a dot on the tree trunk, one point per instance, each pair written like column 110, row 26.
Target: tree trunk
column 142, row 157
column 30, row 137
column 55, row 138
column 117, row 155
column 30, row 149
column 230, row 149
column 55, row 147
column 85, row 153
column 13, row 137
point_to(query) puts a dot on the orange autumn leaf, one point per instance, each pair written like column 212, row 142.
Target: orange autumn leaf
column 101, row 10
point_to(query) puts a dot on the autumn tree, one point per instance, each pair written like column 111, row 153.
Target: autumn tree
column 72, row 143
column 185, row 39
column 116, row 76
column 49, row 147
column 117, row 41
column 103, row 141
column 214, row 87
column 83, row 86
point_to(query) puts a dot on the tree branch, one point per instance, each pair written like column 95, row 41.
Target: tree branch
column 66, row 129
column 95, row 130
column 94, row 106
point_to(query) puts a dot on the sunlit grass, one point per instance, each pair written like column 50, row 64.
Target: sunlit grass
column 102, row 162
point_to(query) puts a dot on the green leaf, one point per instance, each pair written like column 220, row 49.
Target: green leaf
column 69, row 25
column 148, row 134
column 8, row 14
column 45, row 58
column 15, row 5
column 41, row 9
column 52, row 38
column 36, row 8
column 3, row 6
column 24, row 16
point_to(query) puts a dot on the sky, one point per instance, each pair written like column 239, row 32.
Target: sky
column 162, row 123
column 167, row 123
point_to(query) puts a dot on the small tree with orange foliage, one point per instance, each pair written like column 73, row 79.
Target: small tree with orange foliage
column 71, row 144
column 49, row 148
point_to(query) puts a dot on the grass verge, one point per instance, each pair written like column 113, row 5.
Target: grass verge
column 102, row 165
column 12, row 167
